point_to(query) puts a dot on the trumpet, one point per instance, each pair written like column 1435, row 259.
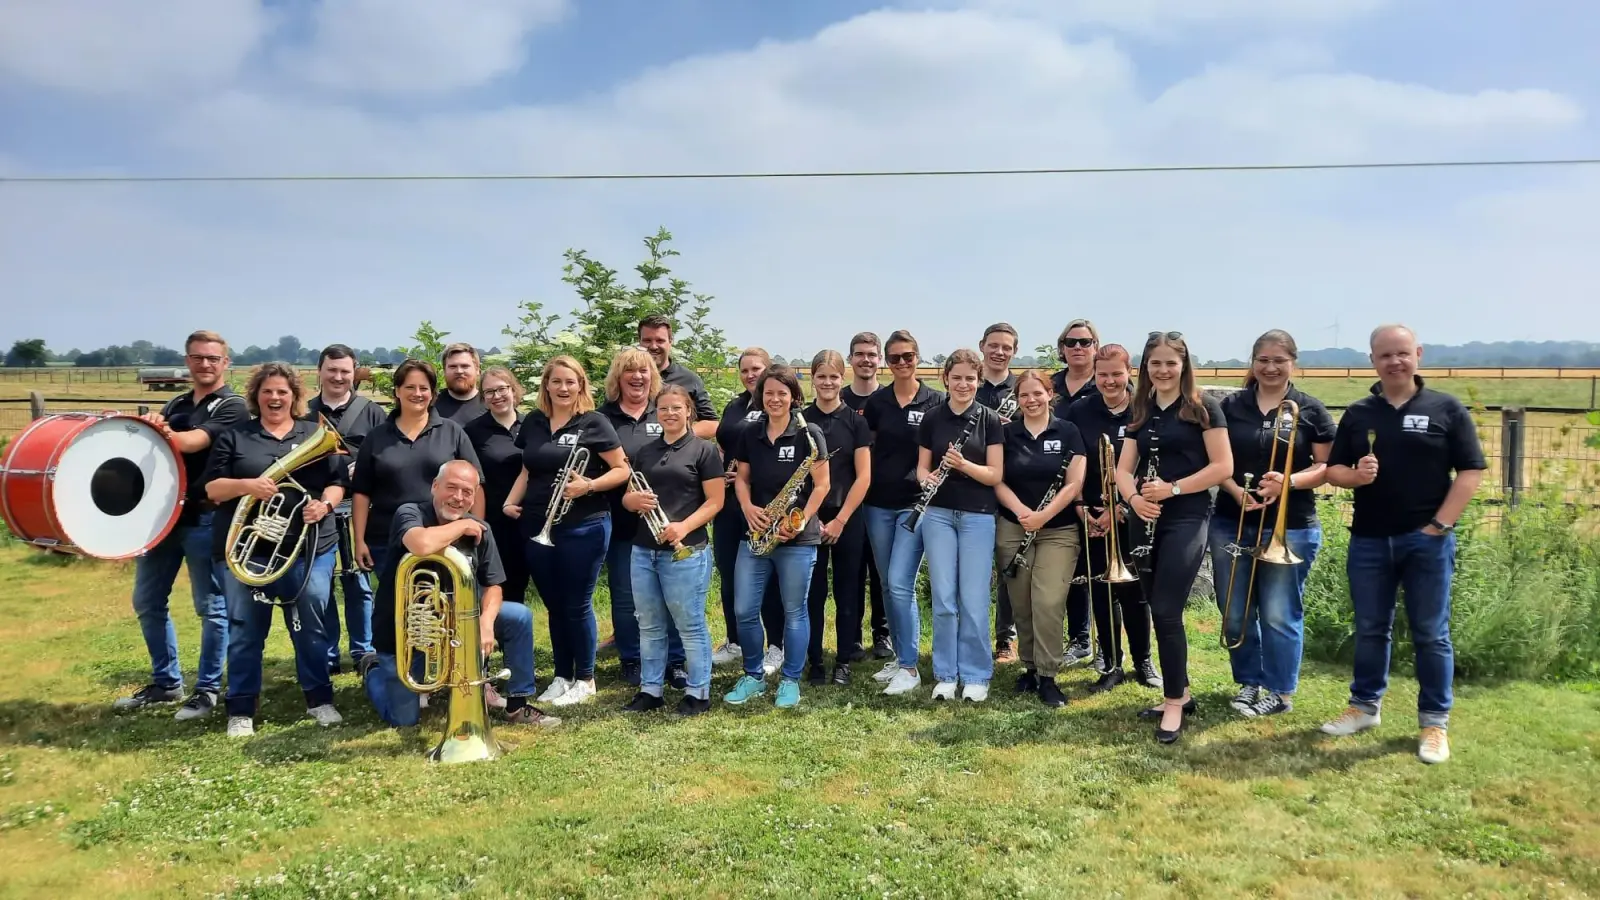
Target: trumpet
column 934, row 483
column 784, row 509
column 656, row 519
column 1276, row 551
column 576, row 462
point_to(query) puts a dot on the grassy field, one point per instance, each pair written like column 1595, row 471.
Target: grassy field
column 853, row 795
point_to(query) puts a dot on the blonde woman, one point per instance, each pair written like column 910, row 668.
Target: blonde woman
column 844, row 529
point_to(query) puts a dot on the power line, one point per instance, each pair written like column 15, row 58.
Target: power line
column 712, row 176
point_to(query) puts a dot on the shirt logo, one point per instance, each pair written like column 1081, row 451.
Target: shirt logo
column 567, row 440
column 753, row 415
column 786, row 454
column 1052, row 446
column 1122, row 431
column 1415, row 424
column 652, row 428
column 913, row 417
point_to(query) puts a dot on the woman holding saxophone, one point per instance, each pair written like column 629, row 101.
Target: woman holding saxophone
column 1036, row 541
column 1263, row 617
column 570, row 457
column 240, row 461
column 676, row 489
column 776, row 457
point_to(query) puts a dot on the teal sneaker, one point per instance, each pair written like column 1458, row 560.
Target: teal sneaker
column 746, row 688
column 788, row 694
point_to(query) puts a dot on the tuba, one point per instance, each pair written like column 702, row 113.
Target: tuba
column 785, row 507
column 577, row 461
column 1276, row 551
column 436, row 619
column 265, row 539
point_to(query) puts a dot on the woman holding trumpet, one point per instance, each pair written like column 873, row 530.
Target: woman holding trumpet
column 676, row 489
column 1279, row 436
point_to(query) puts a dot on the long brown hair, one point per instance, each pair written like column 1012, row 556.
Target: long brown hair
column 1275, row 336
column 1190, row 406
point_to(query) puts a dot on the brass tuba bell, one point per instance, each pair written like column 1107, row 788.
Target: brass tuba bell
column 265, row 539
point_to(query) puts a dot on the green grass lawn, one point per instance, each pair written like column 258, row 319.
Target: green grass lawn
column 851, row 795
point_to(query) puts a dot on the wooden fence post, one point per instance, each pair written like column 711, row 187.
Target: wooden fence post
column 36, row 404
column 1512, row 445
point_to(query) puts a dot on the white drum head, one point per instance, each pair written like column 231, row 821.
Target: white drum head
column 116, row 488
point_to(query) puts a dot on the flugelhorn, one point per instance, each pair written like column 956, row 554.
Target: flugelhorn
column 1276, row 551
column 577, row 461
column 265, row 538
column 656, row 519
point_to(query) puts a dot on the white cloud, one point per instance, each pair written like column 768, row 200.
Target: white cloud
column 418, row 46
column 1166, row 18
column 118, row 47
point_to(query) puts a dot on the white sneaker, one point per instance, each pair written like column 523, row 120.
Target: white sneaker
column 773, row 661
column 580, row 692
column 241, row 726
column 944, row 690
column 887, row 673
column 903, row 682
column 492, row 697
column 1433, row 746
column 325, row 715
column 977, row 693
column 557, row 687
column 422, row 700
column 1351, row 721
column 729, row 652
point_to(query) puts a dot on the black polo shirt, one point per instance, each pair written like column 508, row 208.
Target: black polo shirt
column 741, row 413
column 941, row 428
column 501, row 459
column 483, row 553
column 1034, row 461
column 354, row 420
column 544, row 455
column 1094, row 419
column 772, row 462
column 246, row 451
column 677, row 473
column 689, row 380
column 1251, row 434
column 855, row 401
column 846, row 431
column 894, row 444
column 392, row 469
column 1181, row 447
column 1419, row 444
column 1063, row 399
column 634, row 434
column 459, row 411
column 221, row 410
column 991, row 393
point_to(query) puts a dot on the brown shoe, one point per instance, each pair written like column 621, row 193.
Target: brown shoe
column 531, row 715
column 1007, row 653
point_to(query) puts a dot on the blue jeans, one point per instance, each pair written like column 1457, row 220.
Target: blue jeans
column 250, row 621
column 153, row 576
column 670, row 598
column 565, row 577
column 1274, row 632
column 903, row 551
column 1377, row 568
column 751, row 574
column 624, row 619
column 356, row 588
column 960, row 549
column 513, row 629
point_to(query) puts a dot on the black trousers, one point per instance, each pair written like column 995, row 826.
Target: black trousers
column 1168, row 576
column 1118, row 608
column 727, row 531
column 509, row 540
column 845, row 555
column 874, row 583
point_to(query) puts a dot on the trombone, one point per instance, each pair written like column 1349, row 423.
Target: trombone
column 1117, row 570
column 1276, row 551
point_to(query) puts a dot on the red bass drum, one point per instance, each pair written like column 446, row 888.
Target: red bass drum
column 106, row 485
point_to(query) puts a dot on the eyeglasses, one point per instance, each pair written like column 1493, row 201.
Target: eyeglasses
column 1077, row 342
column 896, row 359
column 1169, row 335
column 209, row 360
column 1273, row 361
column 496, row 392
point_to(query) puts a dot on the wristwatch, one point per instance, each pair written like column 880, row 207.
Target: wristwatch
column 1176, row 490
column 1440, row 525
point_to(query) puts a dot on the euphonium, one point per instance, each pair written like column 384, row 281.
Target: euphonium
column 1276, row 551
column 436, row 617
column 785, row 507
column 656, row 519
column 1117, row 571
column 263, row 543
column 577, row 461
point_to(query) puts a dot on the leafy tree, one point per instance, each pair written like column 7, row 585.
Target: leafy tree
column 29, row 352
column 938, row 359
column 429, row 346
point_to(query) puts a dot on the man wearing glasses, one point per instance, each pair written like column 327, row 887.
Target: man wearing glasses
column 192, row 421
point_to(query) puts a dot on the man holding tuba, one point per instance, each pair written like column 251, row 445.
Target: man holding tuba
column 426, row 530
column 276, row 479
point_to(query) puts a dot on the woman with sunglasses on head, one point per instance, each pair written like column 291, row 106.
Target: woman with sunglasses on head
column 894, row 415
column 844, row 533
column 958, row 526
column 1263, row 615
column 1104, row 415
column 729, row 529
column 1175, row 451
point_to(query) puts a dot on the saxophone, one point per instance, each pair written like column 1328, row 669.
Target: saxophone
column 785, row 507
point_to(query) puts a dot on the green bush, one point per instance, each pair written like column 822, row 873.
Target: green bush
column 1525, row 602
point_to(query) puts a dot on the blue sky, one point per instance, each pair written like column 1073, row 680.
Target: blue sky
column 397, row 86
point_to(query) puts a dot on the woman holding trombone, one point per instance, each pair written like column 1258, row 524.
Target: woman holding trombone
column 1262, row 549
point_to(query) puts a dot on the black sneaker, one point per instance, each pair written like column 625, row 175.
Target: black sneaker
column 149, row 695
column 1269, row 703
column 200, row 703
column 1028, row 682
column 1098, row 664
column 1078, row 652
column 817, row 676
column 677, row 677
column 1108, row 681
column 693, row 706
column 366, row 664
column 630, row 673
column 854, row 654
column 643, row 702
column 882, row 648
column 1246, row 698
column 1144, row 672
column 1050, row 693
column 841, row 673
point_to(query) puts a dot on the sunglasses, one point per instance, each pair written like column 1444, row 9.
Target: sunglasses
column 1077, row 342
column 896, row 359
column 1169, row 335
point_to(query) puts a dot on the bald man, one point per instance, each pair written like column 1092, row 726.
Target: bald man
column 1411, row 455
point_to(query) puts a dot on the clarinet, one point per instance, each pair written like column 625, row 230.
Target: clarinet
column 1151, row 473
column 915, row 519
column 1021, row 557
